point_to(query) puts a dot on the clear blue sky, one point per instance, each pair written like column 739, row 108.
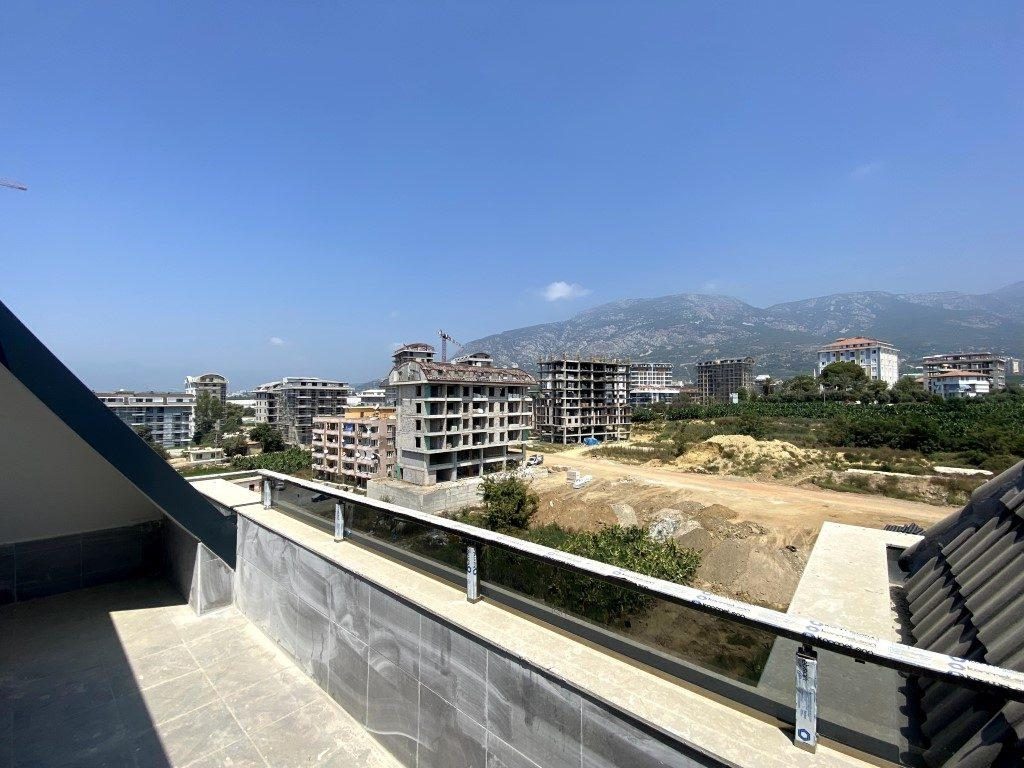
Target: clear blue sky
column 209, row 179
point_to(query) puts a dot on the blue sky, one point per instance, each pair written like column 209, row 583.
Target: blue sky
column 268, row 189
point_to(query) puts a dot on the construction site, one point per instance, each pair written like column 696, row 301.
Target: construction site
column 582, row 400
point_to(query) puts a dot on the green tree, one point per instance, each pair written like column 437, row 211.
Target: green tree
column 877, row 391
column 800, row 387
column 231, row 421
column 235, row 446
column 269, row 438
column 846, row 378
column 508, row 502
column 146, row 433
column 209, row 411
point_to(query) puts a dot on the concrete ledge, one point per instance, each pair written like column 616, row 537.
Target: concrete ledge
column 705, row 725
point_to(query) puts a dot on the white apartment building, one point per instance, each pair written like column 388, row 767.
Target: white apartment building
column 458, row 420
column 650, row 375
column 291, row 404
column 990, row 365
column 879, row 359
column 170, row 416
column 213, row 383
column 951, row 384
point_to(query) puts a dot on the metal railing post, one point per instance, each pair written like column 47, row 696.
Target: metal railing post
column 339, row 521
column 266, row 494
column 805, row 735
column 472, row 575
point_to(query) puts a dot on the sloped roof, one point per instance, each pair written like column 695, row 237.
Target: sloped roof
column 456, row 372
column 965, row 591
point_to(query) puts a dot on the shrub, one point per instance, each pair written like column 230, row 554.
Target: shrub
column 508, row 503
column 288, row 462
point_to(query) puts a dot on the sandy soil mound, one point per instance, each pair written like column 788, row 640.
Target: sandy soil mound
column 743, row 455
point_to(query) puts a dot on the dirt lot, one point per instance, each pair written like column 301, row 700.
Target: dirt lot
column 755, row 536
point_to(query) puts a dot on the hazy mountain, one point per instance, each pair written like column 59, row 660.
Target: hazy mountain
column 684, row 328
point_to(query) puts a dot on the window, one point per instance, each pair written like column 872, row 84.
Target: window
column 419, row 407
column 419, row 426
column 418, row 442
column 419, row 391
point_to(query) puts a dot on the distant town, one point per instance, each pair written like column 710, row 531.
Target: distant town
column 433, row 421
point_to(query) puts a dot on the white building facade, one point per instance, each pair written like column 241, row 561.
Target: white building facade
column 170, row 416
column 879, row 359
column 953, row 384
column 291, row 404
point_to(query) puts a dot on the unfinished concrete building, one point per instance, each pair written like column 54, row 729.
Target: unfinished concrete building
column 721, row 381
column 291, row 403
column 458, row 420
column 582, row 399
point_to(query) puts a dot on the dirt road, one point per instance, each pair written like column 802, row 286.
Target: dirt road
column 772, row 504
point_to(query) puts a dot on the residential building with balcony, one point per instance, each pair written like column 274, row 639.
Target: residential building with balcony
column 357, row 447
column 170, row 416
column 291, row 404
column 257, row 619
column 994, row 367
column 458, row 420
column 721, row 381
column 953, row 384
column 650, row 376
column 583, row 399
column 879, row 359
column 211, row 383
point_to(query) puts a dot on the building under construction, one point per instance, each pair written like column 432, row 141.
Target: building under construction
column 721, row 381
column 582, row 399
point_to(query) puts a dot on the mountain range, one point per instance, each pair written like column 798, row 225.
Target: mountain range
column 783, row 338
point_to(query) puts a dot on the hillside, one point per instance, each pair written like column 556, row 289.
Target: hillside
column 683, row 328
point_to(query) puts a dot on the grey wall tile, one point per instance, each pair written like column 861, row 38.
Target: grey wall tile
column 111, row 555
column 454, row 666
column 48, row 567
column 312, row 641
column 534, row 714
column 216, row 580
column 501, row 755
column 395, row 631
column 179, row 556
column 267, row 551
column 349, row 602
column 392, row 707
column 254, row 593
column 448, row 738
column 281, row 623
column 246, row 537
column 347, row 666
column 610, row 741
column 7, row 593
column 308, row 579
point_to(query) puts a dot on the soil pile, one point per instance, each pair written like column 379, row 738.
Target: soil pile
column 743, row 455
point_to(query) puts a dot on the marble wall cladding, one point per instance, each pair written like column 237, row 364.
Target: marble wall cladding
column 435, row 696
column 610, row 741
column 453, row 665
column 392, row 707
column 395, row 631
column 347, row 666
column 44, row 567
column 214, row 582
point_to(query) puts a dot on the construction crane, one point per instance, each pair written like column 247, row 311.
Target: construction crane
column 445, row 338
column 13, row 185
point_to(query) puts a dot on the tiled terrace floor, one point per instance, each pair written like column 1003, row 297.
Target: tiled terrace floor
column 127, row 675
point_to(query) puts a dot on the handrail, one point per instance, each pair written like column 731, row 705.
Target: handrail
column 808, row 632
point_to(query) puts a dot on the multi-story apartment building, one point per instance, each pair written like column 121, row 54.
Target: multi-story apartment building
column 581, row 399
column 651, row 383
column 213, row 383
column 722, row 380
column 170, row 416
column 372, row 396
column 357, row 447
column 457, row 420
column 951, row 384
column 985, row 363
column 291, row 404
column 879, row 359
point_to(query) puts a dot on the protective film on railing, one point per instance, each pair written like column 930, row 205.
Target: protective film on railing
column 771, row 661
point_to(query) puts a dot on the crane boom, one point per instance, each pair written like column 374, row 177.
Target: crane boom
column 445, row 338
column 13, row 185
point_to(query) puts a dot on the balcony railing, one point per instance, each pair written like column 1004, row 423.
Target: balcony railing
column 758, row 657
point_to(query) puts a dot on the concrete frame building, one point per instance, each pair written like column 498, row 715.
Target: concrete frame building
column 457, row 420
column 650, row 376
column 291, row 404
column 582, row 399
column 213, row 383
column 722, row 380
column 879, row 359
column 952, row 384
column 355, row 448
column 169, row 415
column 994, row 367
